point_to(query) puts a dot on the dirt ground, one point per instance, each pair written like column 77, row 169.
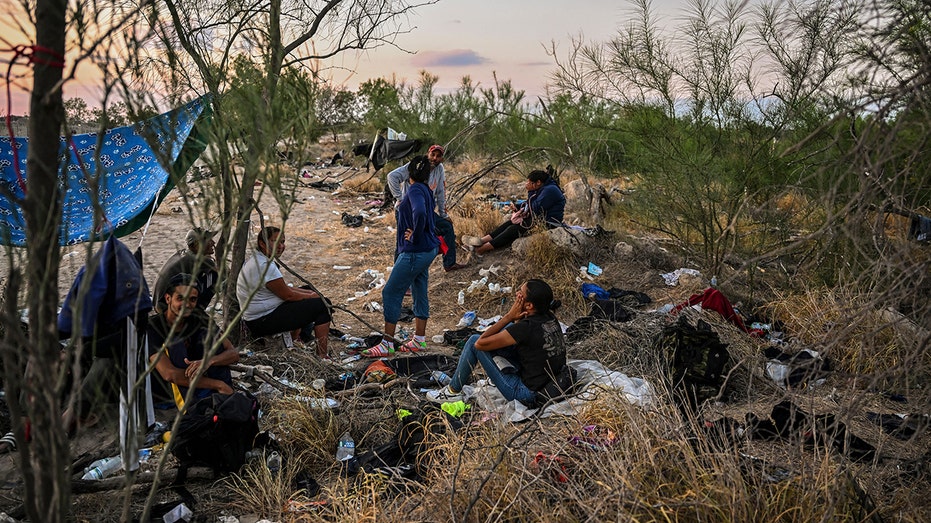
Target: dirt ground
column 319, row 246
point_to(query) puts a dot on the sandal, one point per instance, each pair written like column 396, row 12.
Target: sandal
column 7, row 443
column 413, row 346
column 379, row 351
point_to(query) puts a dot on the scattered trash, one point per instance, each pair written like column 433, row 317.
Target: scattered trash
column 372, row 306
column 273, row 462
column 341, row 267
column 594, row 270
column 440, row 377
column 155, row 433
column 438, row 338
column 102, row 468
column 455, row 408
column 467, row 319
column 318, row 403
column 345, row 448
column 491, row 270
column 542, row 462
column 181, row 512
column 672, row 278
column 461, row 299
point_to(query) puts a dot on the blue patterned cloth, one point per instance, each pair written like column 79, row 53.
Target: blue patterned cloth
column 132, row 172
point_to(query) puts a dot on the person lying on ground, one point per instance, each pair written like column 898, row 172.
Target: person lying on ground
column 270, row 306
column 177, row 345
column 521, row 354
column 417, row 245
column 198, row 260
column 545, row 204
column 398, row 185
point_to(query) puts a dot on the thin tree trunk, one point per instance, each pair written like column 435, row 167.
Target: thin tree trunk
column 45, row 461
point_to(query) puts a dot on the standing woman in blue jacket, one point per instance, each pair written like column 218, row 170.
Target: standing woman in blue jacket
column 545, row 204
column 417, row 246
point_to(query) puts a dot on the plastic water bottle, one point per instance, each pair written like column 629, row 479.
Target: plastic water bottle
column 441, row 377
column 102, row 468
column 467, row 319
column 346, row 448
column 461, row 299
column 273, row 462
column 714, row 281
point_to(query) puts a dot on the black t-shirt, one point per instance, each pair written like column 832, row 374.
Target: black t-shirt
column 541, row 348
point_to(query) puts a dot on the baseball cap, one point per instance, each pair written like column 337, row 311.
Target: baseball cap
column 198, row 235
column 436, row 147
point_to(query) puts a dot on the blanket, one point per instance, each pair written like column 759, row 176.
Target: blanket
column 595, row 378
column 126, row 170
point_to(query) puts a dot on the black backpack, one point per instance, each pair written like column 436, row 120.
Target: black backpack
column 699, row 361
column 216, row 431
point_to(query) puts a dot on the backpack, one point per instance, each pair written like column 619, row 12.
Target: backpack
column 216, row 431
column 699, row 361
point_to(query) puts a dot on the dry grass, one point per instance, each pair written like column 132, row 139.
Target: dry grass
column 661, row 466
column 862, row 340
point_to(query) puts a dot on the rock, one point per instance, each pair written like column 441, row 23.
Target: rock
column 562, row 237
column 623, row 249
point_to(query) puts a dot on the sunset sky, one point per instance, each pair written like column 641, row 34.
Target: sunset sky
column 454, row 38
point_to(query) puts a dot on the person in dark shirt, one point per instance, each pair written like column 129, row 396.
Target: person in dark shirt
column 177, row 338
column 545, row 204
column 198, row 260
column 521, row 354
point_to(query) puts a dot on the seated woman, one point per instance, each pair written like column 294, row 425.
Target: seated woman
column 529, row 343
column 177, row 337
column 270, row 306
column 545, row 204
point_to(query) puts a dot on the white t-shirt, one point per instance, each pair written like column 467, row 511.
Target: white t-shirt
column 255, row 273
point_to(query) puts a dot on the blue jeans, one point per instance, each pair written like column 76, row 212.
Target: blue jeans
column 444, row 228
column 510, row 385
column 411, row 271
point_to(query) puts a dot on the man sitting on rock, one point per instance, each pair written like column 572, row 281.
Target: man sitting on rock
column 177, row 344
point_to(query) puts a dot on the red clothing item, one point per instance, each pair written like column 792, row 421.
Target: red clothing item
column 712, row 299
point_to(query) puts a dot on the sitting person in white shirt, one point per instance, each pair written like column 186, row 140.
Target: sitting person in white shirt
column 270, row 306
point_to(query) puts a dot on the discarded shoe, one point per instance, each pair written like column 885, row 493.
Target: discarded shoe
column 455, row 267
column 444, row 395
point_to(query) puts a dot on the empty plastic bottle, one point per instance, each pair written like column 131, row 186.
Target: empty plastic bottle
column 461, row 299
column 346, row 448
column 102, row 468
column 273, row 462
column 441, row 377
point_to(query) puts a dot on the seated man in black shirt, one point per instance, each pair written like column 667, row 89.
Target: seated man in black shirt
column 177, row 348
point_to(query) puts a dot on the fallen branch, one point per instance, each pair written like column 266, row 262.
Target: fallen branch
column 368, row 387
column 249, row 370
column 87, row 486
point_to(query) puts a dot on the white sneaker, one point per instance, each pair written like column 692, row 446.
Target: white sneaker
column 444, row 395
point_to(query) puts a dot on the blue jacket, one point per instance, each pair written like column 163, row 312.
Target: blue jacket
column 416, row 213
column 547, row 202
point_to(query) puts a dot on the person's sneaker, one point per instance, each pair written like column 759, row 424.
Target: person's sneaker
column 413, row 346
column 473, row 241
column 379, row 351
column 444, row 395
column 455, row 267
